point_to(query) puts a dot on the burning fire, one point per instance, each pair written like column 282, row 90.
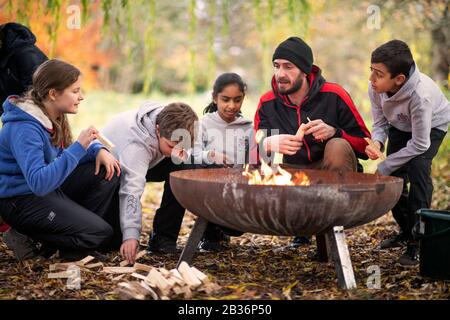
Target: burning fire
column 273, row 176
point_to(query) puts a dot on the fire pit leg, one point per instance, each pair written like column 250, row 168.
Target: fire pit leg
column 322, row 250
column 194, row 238
column 341, row 258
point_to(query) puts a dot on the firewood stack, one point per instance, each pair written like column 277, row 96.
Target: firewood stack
column 150, row 283
column 163, row 284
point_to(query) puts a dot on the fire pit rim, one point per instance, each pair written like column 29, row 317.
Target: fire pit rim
column 380, row 180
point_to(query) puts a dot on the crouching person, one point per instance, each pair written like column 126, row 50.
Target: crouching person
column 144, row 146
column 54, row 193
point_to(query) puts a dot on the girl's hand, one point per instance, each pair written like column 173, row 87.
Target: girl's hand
column 109, row 162
column 87, row 136
column 219, row 158
column 373, row 150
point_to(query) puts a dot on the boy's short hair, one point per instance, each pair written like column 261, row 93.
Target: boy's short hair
column 396, row 56
column 177, row 115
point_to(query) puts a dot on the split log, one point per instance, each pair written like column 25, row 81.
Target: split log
column 139, row 255
column 118, row 278
column 188, row 275
column 60, row 275
column 200, row 275
column 82, row 262
column 142, row 267
column 138, row 276
column 94, row 265
column 156, row 280
column 118, row 270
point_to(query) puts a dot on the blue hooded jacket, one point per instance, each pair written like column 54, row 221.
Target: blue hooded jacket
column 29, row 162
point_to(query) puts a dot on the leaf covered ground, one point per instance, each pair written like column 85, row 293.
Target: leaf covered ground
column 253, row 266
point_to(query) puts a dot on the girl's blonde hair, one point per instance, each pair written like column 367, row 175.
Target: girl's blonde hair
column 58, row 75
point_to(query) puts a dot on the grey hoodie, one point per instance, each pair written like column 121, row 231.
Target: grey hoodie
column 417, row 107
column 228, row 138
column 137, row 149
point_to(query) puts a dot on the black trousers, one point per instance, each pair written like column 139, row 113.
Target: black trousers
column 416, row 173
column 75, row 217
column 169, row 216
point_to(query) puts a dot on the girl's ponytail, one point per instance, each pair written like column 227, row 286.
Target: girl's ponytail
column 212, row 107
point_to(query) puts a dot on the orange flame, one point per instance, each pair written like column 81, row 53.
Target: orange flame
column 277, row 176
column 273, row 176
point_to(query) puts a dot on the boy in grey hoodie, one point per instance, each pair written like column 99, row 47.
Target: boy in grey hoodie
column 144, row 146
column 409, row 110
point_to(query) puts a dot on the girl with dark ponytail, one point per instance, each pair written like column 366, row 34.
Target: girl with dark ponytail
column 224, row 80
column 226, row 140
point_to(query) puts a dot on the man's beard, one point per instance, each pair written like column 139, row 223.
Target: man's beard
column 295, row 87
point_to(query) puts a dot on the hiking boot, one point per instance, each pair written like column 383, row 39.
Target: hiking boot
column 299, row 241
column 215, row 239
column 206, row 245
column 162, row 244
column 411, row 256
column 397, row 241
column 21, row 245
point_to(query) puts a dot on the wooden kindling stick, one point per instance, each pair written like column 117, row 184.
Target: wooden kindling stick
column 105, row 141
column 379, row 153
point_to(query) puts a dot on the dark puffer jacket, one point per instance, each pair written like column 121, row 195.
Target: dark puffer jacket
column 19, row 58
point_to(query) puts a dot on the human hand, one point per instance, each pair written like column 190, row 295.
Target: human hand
column 283, row 143
column 87, row 136
column 373, row 150
column 320, row 130
column 129, row 249
column 219, row 158
column 111, row 164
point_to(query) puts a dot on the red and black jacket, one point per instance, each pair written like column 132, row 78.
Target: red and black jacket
column 325, row 100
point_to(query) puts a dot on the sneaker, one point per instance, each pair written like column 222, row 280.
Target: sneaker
column 206, row 245
column 397, row 241
column 299, row 241
column 411, row 256
column 161, row 244
column 21, row 245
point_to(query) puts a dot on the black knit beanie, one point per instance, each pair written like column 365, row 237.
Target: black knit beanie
column 296, row 51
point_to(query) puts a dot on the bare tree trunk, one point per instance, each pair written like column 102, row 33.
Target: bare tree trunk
column 440, row 50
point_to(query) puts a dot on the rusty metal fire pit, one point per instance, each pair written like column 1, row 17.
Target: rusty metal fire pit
column 331, row 203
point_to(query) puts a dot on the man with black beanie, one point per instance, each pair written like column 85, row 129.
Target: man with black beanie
column 334, row 131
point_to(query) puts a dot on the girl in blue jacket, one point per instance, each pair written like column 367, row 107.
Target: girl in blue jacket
column 54, row 193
